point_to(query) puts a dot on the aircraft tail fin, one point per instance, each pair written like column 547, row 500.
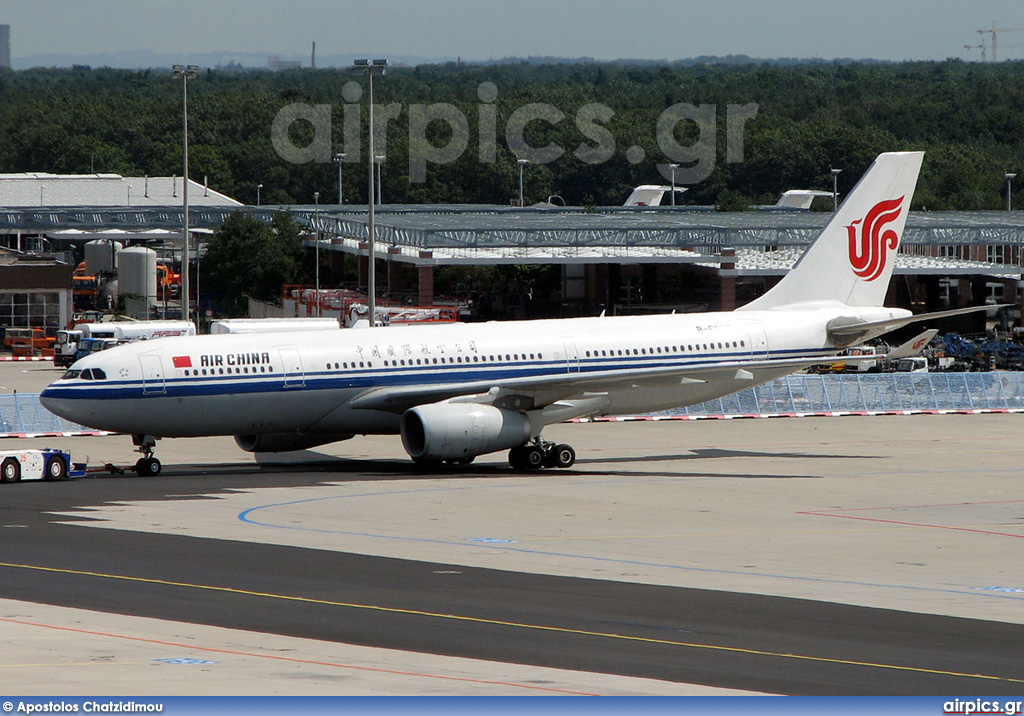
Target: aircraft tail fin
column 914, row 346
column 851, row 260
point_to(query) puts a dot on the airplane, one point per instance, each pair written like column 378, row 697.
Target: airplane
column 457, row 391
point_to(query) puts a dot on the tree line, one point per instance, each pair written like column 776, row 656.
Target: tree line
column 809, row 118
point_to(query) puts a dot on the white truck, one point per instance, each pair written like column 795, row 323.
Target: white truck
column 66, row 349
column 38, row 464
column 272, row 325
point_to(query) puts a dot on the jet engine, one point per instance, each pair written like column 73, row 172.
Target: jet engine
column 285, row 442
column 461, row 431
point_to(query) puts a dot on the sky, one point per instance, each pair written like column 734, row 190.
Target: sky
column 493, row 29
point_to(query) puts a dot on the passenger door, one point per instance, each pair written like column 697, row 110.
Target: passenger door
column 152, row 375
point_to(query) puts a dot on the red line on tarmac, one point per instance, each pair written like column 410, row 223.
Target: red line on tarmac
column 292, row 659
column 834, row 513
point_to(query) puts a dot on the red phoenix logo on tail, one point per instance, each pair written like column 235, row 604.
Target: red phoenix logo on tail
column 869, row 251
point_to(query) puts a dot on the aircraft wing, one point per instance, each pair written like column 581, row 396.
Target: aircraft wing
column 549, row 389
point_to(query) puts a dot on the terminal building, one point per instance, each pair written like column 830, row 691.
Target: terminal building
column 46, row 220
column 616, row 259
column 631, row 259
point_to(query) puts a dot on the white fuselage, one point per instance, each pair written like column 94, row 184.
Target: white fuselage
column 306, row 382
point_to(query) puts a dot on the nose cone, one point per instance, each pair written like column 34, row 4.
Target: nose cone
column 60, row 400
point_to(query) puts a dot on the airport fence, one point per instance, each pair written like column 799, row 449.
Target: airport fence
column 22, row 413
column 801, row 394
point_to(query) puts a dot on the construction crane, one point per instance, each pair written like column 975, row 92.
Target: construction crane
column 994, row 31
column 975, row 47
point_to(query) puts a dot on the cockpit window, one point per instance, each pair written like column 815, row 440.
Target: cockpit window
column 87, row 374
column 98, row 374
column 71, row 375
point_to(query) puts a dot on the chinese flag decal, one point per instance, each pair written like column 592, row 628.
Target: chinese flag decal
column 182, row 362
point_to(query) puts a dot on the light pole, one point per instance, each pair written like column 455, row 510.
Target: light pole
column 522, row 163
column 185, row 73
column 835, row 191
column 258, row 187
column 380, row 168
column 1009, row 178
column 369, row 67
column 339, row 158
column 672, row 168
column 316, row 238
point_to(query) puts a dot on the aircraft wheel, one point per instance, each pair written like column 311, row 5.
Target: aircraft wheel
column 147, row 466
column 10, row 471
column 534, row 458
column 56, row 469
column 565, row 456
column 516, row 458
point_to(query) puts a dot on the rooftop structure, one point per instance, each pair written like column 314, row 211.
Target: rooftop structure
column 56, row 191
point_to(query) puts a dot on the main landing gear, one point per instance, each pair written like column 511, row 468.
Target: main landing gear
column 541, row 453
column 147, row 465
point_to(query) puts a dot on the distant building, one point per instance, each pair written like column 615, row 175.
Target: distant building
column 50, row 191
column 5, row 46
column 276, row 64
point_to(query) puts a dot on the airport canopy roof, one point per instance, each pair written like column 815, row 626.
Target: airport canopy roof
column 37, row 190
column 754, row 262
column 481, row 234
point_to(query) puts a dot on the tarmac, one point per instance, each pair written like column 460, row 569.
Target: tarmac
column 920, row 514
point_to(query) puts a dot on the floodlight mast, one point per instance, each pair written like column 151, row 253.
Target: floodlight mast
column 339, row 159
column 369, row 67
column 185, row 72
column 835, row 188
column 316, row 238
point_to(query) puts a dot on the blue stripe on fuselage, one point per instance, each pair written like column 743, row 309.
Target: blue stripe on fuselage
column 391, row 376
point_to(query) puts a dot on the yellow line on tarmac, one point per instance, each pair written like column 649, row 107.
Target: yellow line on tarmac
column 516, row 625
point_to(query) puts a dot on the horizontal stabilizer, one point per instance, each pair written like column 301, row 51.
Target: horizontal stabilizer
column 844, row 332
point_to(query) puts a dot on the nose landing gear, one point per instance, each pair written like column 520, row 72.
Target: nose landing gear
column 541, row 453
column 147, row 465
